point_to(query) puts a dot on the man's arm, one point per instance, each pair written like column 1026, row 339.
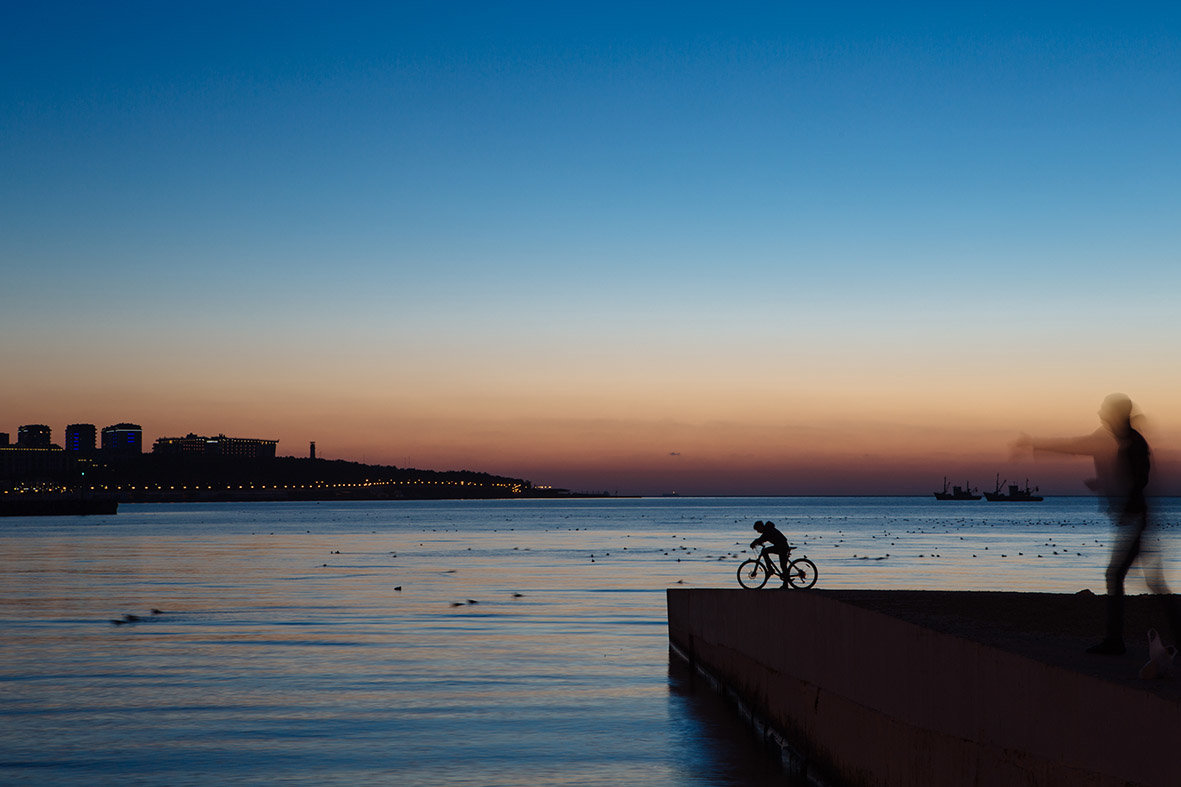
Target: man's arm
column 1089, row 445
column 1097, row 442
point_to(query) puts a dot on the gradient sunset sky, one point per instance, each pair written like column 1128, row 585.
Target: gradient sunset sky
column 829, row 247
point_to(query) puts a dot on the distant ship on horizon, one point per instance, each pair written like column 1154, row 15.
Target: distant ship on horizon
column 1015, row 494
column 964, row 492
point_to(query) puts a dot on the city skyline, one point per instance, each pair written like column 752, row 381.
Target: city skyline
column 761, row 473
column 121, row 437
column 644, row 249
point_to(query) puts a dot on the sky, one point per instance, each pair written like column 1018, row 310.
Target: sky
column 738, row 248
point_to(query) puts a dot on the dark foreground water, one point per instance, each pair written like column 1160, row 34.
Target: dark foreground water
column 482, row 643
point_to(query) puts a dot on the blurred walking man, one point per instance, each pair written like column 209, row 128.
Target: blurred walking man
column 1122, row 464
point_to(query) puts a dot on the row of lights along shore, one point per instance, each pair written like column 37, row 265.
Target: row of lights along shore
column 126, row 439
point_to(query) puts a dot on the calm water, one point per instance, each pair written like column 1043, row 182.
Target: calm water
column 484, row 643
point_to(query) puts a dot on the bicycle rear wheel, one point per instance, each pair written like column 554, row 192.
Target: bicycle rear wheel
column 752, row 574
column 801, row 574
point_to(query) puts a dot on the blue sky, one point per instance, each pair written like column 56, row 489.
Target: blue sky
column 587, row 211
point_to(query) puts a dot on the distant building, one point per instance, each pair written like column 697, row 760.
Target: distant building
column 247, row 448
column 3, row 439
column 81, row 438
column 32, row 464
column 312, row 450
column 33, row 436
column 189, row 445
column 123, row 440
column 220, row 446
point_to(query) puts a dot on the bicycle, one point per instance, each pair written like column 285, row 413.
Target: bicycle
column 754, row 573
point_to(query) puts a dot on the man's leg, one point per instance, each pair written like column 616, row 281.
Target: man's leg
column 767, row 553
column 765, row 556
column 1152, row 563
column 1123, row 554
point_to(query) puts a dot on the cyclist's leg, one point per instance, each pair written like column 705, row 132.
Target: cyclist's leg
column 765, row 556
column 769, row 552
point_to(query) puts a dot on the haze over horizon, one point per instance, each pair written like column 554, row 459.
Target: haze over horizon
column 638, row 248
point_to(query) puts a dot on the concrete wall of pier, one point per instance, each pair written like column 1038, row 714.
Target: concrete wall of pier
column 867, row 698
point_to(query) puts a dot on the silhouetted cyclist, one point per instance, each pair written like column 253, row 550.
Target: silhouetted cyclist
column 769, row 534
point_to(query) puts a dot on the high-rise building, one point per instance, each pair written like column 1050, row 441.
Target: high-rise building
column 81, row 438
column 33, row 436
column 312, row 450
column 123, row 440
column 3, row 439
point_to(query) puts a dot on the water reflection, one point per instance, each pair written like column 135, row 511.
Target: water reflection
column 710, row 746
column 284, row 652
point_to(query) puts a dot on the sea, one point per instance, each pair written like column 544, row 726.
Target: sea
column 500, row 642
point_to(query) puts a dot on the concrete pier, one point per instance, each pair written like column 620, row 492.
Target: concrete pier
column 940, row 688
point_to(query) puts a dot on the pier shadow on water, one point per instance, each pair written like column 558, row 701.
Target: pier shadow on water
column 716, row 745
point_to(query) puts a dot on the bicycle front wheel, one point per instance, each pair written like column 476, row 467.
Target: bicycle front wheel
column 752, row 574
column 801, row 574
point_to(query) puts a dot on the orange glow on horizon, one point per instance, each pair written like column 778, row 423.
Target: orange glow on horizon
column 712, row 433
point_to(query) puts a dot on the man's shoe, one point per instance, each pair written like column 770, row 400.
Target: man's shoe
column 1108, row 647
